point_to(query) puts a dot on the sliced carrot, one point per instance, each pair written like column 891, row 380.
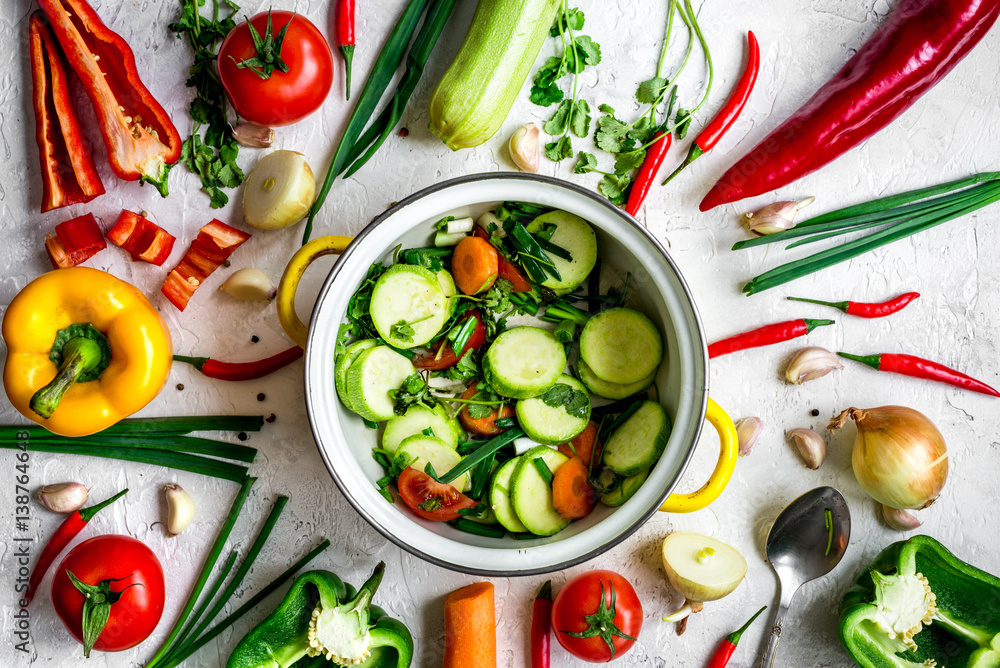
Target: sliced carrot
column 506, row 268
column 583, row 445
column 484, row 426
column 572, row 496
column 474, row 265
column 470, row 627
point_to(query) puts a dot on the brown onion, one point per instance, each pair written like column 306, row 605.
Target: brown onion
column 899, row 456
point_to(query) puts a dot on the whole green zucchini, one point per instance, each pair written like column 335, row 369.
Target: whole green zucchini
column 475, row 95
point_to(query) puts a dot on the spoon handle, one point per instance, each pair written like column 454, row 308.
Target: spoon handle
column 767, row 658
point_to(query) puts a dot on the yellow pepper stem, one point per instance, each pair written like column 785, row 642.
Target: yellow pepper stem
column 82, row 356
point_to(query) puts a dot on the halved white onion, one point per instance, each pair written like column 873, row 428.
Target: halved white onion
column 279, row 191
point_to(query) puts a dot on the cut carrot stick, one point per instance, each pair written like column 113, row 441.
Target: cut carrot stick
column 470, row 627
column 474, row 265
column 583, row 446
column 572, row 495
column 484, row 426
column 506, row 268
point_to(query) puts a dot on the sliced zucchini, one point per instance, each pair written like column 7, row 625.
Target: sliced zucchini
column 418, row 418
column 603, row 388
column 575, row 235
column 500, row 497
column 524, row 362
column 408, row 306
column 639, row 442
column 621, row 345
column 629, row 486
column 531, row 494
column 450, row 290
column 344, row 363
column 552, row 425
column 373, row 375
column 418, row 450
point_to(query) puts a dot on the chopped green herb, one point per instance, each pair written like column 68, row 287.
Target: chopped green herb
column 575, row 402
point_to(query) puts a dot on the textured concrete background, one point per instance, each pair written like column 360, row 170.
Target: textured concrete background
column 950, row 133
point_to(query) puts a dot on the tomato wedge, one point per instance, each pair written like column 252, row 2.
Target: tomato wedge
column 505, row 268
column 430, row 499
column 440, row 360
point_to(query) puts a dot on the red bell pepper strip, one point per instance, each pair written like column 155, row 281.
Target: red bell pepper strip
column 920, row 42
column 730, row 111
column 213, row 246
column 213, row 368
column 867, row 309
column 444, row 357
column 505, row 268
column 345, row 37
column 139, row 136
column 908, row 365
column 69, row 175
column 647, row 172
column 66, row 532
column 142, row 238
column 541, row 627
column 726, row 648
column 75, row 241
column 765, row 336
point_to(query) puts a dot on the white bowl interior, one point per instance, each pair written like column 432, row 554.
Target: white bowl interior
column 656, row 288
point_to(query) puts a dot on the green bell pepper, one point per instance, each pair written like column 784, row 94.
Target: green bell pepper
column 918, row 605
column 322, row 622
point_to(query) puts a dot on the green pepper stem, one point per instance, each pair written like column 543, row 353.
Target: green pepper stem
column 196, row 362
column 812, row 324
column 874, row 361
column 734, row 637
column 837, row 305
column 88, row 513
column 80, row 355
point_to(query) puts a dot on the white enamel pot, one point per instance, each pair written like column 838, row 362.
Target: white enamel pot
column 345, row 443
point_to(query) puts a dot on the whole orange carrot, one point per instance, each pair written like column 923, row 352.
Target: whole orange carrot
column 470, row 633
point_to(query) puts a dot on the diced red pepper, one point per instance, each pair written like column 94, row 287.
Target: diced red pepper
column 69, row 175
column 213, row 246
column 440, row 360
column 505, row 268
column 139, row 136
column 142, row 238
column 75, row 241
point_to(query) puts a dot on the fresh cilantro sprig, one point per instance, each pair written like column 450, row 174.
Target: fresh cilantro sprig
column 572, row 115
column 413, row 390
column 210, row 154
column 575, row 402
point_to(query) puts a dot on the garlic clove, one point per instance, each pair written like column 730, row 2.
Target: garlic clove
column 748, row 431
column 180, row 508
column 810, row 445
column 63, row 497
column 524, row 148
column 249, row 284
column 900, row 520
column 252, row 135
column 811, row 363
column 776, row 217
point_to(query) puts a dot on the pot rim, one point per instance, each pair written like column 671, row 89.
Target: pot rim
column 700, row 401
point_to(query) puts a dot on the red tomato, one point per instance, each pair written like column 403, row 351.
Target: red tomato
column 430, row 499
column 448, row 358
column 284, row 97
column 582, row 597
column 134, row 615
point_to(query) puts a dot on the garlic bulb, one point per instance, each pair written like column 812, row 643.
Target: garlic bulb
column 811, row 363
column 810, row 445
column 899, row 457
column 249, row 284
column 63, row 497
column 524, row 148
column 776, row 217
column 180, row 508
column 748, row 432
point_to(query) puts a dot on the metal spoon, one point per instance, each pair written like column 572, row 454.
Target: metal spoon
column 806, row 541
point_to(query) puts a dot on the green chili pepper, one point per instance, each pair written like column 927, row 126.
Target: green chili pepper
column 322, row 619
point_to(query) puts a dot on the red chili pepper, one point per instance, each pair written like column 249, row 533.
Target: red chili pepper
column 728, row 645
column 541, row 627
column 213, row 368
column 75, row 241
column 142, row 238
column 62, row 537
column 139, row 136
column 647, row 172
column 908, row 365
column 866, row 309
column 213, row 246
column 731, row 110
column 914, row 49
column 440, row 360
column 345, row 37
column 765, row 336
column 69, row 175
column 505, row 268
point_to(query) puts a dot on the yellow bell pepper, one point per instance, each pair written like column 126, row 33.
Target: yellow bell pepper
column 84, row 350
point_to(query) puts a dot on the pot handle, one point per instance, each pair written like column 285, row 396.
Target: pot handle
column 330, row 245
column 686, row 503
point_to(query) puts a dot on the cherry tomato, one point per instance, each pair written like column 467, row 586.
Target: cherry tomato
column 581, row 598
column 448, row 358
column 430, row 499
column 284, row 97
column 134, row 616
column 484, row 426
